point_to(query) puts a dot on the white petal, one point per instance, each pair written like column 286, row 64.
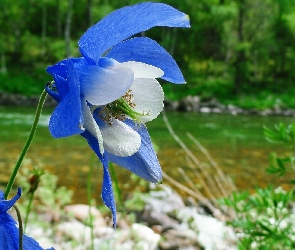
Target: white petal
column 148, row 96
column 91, row 125
column 120, row 139
column 143, row 70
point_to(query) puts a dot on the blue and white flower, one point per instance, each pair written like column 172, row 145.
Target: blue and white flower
column 9, row 230
column 111, row 91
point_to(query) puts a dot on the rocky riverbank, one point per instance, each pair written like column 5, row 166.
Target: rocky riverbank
column 7, row 99
column 187, row 104
column 164, row 222
column 194, row 104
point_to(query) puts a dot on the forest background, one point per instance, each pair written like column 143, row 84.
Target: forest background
column 237, row 51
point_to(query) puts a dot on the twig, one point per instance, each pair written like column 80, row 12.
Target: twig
column 215, row 211
column 209, row 179
column 222, row 176
column 207, row 189
column 191, row 184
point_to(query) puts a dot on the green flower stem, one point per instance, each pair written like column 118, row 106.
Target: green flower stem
column 20, row 223
column 28, row 210
column 116, row 185
column 89, row 197
column 27, row 144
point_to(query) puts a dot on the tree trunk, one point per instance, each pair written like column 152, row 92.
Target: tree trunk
column 3, row 69
column 68, row 28
column 241, row 60
column 44, row 27
column 173, row 41
column 89, row 12
column 58, row 18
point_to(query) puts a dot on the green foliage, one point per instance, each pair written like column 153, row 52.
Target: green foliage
column 281, row 134
column 207, row 53
column 21, row 82
column 48, row 198
column 263, row 220
column 136, row 202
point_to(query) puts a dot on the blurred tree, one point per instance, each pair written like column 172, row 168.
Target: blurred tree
column 232, row 45
column 283, row 35
column 68, row 28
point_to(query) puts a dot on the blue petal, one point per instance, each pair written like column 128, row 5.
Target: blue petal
column 107, row 189
column 146, row 50
column 58, row 69
column 9, row 236
column 9, row 232
column 7, row 204
column 107, row 193
column 30, row 244
column 101, row 86
column 67, row 119
column 54, row 94
column 126, row 22
column 144, row 162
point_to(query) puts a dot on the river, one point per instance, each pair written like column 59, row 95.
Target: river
column 236, row 143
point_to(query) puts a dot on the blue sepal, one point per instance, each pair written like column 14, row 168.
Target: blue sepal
column 146, row 50
column 9, row 232
column 66, row 120
column 107, row 192
column 144, row 162
column 125, row 22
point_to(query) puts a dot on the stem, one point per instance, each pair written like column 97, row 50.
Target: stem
column 89, row 196
column 28, row 210
column 27, row 144
column 20, row 223
column 116, row 185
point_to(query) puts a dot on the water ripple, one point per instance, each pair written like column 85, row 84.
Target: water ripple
column 25, row 119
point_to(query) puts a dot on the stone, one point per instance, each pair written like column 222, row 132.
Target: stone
column 145, row 234
column 190, row 104
column 159, row 204
column 164, row 201
column 212, row 233
column 171, row 105
column 81, row 213
column 181, row 238
column 75, row 230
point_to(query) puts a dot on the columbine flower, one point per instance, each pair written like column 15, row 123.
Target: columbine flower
column 111, row 91
column 9, row 231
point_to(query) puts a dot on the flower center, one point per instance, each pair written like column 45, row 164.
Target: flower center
column 120, row 109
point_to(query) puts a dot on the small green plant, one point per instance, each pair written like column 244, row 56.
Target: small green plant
column 284, row 134
column 48, row 198
column 263, row 220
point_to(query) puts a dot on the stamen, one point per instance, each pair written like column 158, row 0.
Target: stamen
column 120, row 109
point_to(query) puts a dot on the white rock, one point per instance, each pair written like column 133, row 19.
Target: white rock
column 81, row 213
column 104, row 232
column 145, row 235
column 164, row 201
column 41, row 236
column 212, row 233
column 76, row 231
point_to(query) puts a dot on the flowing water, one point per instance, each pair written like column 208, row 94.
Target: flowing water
column 236, row 143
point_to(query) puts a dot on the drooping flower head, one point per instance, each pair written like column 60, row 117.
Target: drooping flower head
column 9, row 230
column 111, row 91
